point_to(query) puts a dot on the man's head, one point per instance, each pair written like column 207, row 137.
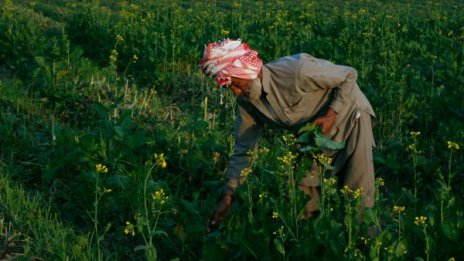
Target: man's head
column 232, row 63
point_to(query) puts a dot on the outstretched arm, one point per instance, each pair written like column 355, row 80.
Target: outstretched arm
column 247, row 133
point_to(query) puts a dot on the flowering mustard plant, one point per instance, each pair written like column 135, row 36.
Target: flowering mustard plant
column 159, row 196
column 399, row 209
column 245, row 172
column 420, row 221
column 129, row 229
column 453, row 145
column 160, row 160
column 100, row 168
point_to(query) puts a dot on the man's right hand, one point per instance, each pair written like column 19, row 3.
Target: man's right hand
column 327, row 121
column 221, row 211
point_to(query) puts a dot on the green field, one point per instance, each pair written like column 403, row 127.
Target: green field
column 113, row 144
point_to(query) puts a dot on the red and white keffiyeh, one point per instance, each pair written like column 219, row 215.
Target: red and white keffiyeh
column 230, row 58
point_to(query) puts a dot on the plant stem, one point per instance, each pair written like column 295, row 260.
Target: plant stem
column 147, row 218
column 95, row 219
column 427, row 244
column 294, row 212
column 449, row 171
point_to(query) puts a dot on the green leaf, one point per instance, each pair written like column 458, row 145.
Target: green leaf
column 308, row 128
column 119, row 181
column 326, row 165
column 49, row 174
column 279, row 246
column 307, row 149
column 449, row 230
column 189, row 207
column 101, row 109
column 326, row 143
column 303, row 138
column 135, row 140
column 159, row 232
column 61, row 74
column 451, row 202
column 126, row 119
column 140, row 247
column 119, row 133
column 400, row 249
column 41, row 61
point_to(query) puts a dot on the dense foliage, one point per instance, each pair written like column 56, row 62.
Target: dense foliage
column 105, row 114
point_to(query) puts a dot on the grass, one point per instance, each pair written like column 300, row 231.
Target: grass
column 31, row 231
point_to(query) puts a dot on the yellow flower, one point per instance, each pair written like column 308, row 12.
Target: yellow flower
column 380, row 182
column 160, row 160
column 114, row 56
column 245, row 172
column 119, row 38
column 415, row 133
column 365, row 240
column 399, row 209
column 453, row 146
column 289, row 138
column 100, row 168
column 262, row 197
column 413, row 148
column 129, row 229
column 287, row 159
column 159, row 196
column 263, row 151
column 216, row 156
column 322, row 158
column 330, row 181
column 346, row 190
column 225, row 32
column 357, row 193
column 275, row 215
column 420, row 221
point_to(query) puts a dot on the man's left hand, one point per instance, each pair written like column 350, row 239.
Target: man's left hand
column 221, row 211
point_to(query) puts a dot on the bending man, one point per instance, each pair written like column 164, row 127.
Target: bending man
column 287, row 93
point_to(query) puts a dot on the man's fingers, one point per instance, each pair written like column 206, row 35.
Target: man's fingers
column 216, row 215
column 321, row 123
column 212, row 221
column 220, row 211
column 326, row 131
column 324, row 125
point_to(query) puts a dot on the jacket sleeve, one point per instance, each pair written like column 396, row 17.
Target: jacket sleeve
column 247, row 133
column 326, row 75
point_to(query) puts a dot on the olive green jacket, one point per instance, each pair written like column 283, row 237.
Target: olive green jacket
column 296, row 90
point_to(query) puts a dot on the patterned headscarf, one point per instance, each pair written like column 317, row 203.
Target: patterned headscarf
column 230, row 58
